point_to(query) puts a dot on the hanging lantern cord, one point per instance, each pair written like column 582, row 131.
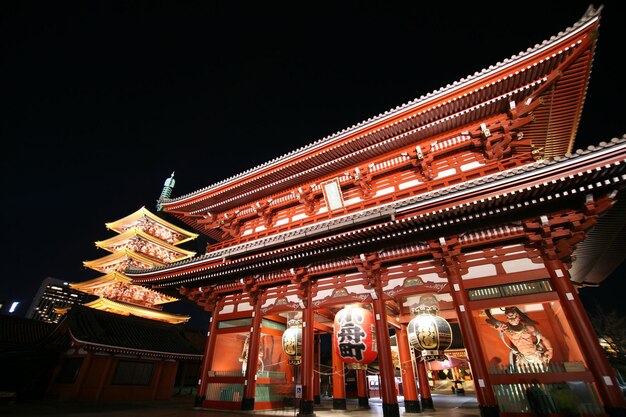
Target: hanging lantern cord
column 326, row 373
column 274, row 364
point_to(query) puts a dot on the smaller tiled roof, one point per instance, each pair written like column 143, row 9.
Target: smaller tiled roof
column 103, row 331
column 18, row 333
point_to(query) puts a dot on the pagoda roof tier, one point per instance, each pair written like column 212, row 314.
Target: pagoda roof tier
column 139, row 241
column 153, row 225
column 126, row 309
column 528, row 189
column 22, row 333
column 554, row 73
column 120, row 261
column 101, row 331
column 117, row 286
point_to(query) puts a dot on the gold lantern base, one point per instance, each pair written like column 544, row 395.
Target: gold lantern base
column 434, row 355
column 357, row 366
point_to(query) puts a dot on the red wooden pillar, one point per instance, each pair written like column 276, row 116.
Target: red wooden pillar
column 388, row 388
column 182, row 365
column 422, row 376
column 85, row 369
column 484, row 392
column 339, row 380
column 316, row 370
column 156, row 379
column 411, row 401
column 252, row 365
column 361, row 385
column 606, row 382
column 308, row 355
column 108, row 369
column 207, row 360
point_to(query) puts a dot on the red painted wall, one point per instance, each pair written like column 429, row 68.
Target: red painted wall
column 98, row 375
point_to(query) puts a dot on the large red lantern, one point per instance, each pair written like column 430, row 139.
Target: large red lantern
column 354, row 336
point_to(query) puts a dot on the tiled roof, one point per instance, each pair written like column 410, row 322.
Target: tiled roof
column 100, row 330
column 447, row 108
column 595, row 167
column 18, row 333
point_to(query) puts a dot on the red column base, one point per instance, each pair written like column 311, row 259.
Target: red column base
column 339, row 404
column 391, row 410
column 489, row 410
column 615, row 411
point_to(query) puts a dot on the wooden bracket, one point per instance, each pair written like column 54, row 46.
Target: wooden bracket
column 422, row 160
column 307, row 198
column 263, row 210
column 370, row 265
column 362, row 177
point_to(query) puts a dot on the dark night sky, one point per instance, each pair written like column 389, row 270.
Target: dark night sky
column 103, row 100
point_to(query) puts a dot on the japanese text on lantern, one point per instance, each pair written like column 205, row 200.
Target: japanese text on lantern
column 351, row 334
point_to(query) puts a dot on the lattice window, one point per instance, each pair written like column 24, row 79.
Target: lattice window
column 510, row 290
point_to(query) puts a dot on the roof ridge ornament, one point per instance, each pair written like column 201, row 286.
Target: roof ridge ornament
column 168, row 186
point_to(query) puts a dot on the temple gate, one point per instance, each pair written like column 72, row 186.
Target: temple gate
column 467, row 194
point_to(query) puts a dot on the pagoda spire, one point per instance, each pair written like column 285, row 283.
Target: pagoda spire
column 168, row 186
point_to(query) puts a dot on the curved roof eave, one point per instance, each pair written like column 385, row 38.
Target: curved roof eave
column 594, row 159
column 590, row 16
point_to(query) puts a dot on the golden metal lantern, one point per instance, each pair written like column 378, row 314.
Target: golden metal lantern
column 292, row 341
column 429, row 333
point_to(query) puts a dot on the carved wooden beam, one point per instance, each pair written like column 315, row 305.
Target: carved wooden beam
column 422, row 160
column 446, row 251
column 362, row 177
column 370, row 265
column 267, row 213
column 498, row 137
column 558, row 234
column 306, row 196
column 326, row 313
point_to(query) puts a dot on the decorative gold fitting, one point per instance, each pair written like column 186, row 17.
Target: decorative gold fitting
column 294, row 323
column 485, row 130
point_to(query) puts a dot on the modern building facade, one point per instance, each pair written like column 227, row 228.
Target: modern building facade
column 54, row 294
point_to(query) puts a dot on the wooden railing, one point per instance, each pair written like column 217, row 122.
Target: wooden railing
column 236, row 373
column 224, row 392
column 531, row 368
column 271, row 374
column 573, row 398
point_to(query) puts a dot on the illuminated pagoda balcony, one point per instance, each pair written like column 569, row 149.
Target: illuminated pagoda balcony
column 153, row 225
column 144, row 241
column 140, row 242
